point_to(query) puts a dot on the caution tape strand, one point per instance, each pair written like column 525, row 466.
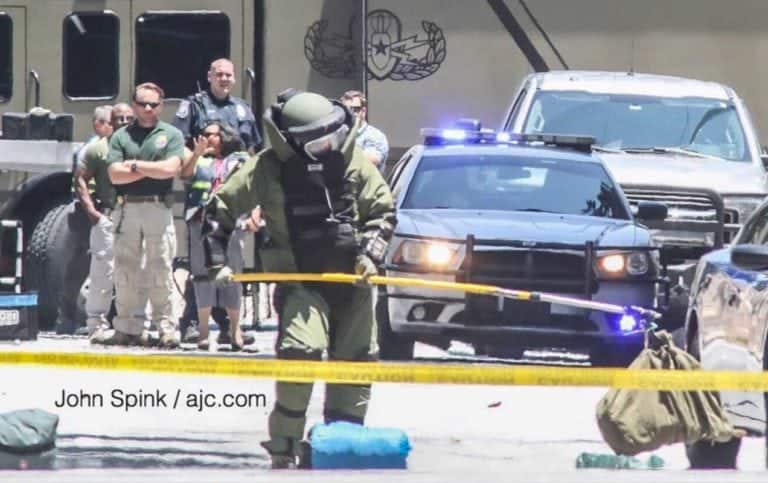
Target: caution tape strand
column 411, row 373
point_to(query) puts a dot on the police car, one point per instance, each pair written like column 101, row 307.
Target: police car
column 528, row 212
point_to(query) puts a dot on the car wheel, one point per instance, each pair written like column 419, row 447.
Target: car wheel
column 712, row 455
column 392, row 346
column 709, row 454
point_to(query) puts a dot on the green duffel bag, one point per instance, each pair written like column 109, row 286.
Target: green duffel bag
column 635, row 420
column 27, row 439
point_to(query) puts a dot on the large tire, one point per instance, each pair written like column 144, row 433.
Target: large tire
column 56, row 259
column 709, row 454
column 392, row 347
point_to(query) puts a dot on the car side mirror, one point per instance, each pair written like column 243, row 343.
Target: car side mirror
column 750, row 257
column 651, row 211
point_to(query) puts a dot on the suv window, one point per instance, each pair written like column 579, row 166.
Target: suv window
column 91, row 56
column 6, row 57
column 175, row 49
column 708, row 126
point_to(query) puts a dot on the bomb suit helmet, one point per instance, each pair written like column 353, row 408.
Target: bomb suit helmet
column 311, row 123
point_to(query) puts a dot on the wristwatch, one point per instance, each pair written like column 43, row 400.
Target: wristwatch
column 134, row 167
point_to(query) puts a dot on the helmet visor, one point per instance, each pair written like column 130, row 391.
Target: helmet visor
column 333, row 141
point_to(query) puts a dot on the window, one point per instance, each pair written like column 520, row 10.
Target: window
column 174, row 50
column 6, row 57
column 511, row 183
column 91, row 55
column 708, row 126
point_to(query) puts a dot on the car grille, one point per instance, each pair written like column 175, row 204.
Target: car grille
column 686, row 205
column 549, row 271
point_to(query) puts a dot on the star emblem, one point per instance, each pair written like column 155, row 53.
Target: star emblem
column 381, row 47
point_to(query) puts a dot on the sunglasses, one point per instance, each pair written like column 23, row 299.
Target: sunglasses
column 153, row 105
column 356, row 109
column 123, row 119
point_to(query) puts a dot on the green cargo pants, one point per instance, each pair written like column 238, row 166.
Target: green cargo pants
column 336, row 318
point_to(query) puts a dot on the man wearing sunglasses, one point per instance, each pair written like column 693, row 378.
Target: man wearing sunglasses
column 317, row 205
column 143, row 159
column 98, row 208
column 372, row 141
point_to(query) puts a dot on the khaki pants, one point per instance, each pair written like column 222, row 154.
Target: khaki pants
column 338, row 319
column 102, row 276
column 144, row 229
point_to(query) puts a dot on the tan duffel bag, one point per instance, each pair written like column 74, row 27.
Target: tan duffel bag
column 635, row 420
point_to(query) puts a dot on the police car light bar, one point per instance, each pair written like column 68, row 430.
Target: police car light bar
column 435, row 136
column 468, row 133
column 579, row 143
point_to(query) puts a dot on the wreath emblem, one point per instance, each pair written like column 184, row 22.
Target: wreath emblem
column 389, row 55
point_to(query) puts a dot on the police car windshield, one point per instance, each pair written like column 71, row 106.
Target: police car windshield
column 512, row 183
column 707, row 126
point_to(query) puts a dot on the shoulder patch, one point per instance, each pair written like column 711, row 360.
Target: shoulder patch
column 161, row 141
column 183, row 111
column 242, row 113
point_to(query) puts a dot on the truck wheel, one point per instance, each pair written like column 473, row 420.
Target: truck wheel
column 392, row 347
column 56, row 263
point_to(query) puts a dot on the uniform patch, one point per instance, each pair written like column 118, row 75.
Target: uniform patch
column 161, row 141
column 183, row 111
column 241, row 111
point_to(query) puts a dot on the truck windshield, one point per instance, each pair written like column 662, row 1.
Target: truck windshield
column 707, row 126
column 513, row 183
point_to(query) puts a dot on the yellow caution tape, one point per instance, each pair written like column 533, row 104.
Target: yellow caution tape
column 375, row 280
column 411, row 373
column 474, row 288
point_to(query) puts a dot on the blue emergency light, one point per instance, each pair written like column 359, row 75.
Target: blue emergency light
column 470, row 131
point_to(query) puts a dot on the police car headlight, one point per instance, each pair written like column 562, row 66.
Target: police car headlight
column 438, row 255
column 611, row 264
column 618, row 264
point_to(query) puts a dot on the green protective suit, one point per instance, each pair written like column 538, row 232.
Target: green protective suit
column 312, row 317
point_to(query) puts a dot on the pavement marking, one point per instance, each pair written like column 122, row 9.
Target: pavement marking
column 411, row 373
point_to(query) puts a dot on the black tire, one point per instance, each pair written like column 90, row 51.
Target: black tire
column 56, row 265
column 392, row 347
column 708, row 455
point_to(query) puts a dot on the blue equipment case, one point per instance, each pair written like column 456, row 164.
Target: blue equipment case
column 342, row 445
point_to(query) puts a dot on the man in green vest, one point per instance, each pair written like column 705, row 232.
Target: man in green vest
column 325, row 208
column 97, row 198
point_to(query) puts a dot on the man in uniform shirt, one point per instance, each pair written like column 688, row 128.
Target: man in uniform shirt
column 195, row 113
column 143, row 160
column 98, row 208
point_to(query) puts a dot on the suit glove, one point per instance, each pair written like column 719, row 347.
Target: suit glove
column 364, row 266
column 220, row 275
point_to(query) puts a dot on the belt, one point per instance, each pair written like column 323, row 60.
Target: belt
column 143, row 198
